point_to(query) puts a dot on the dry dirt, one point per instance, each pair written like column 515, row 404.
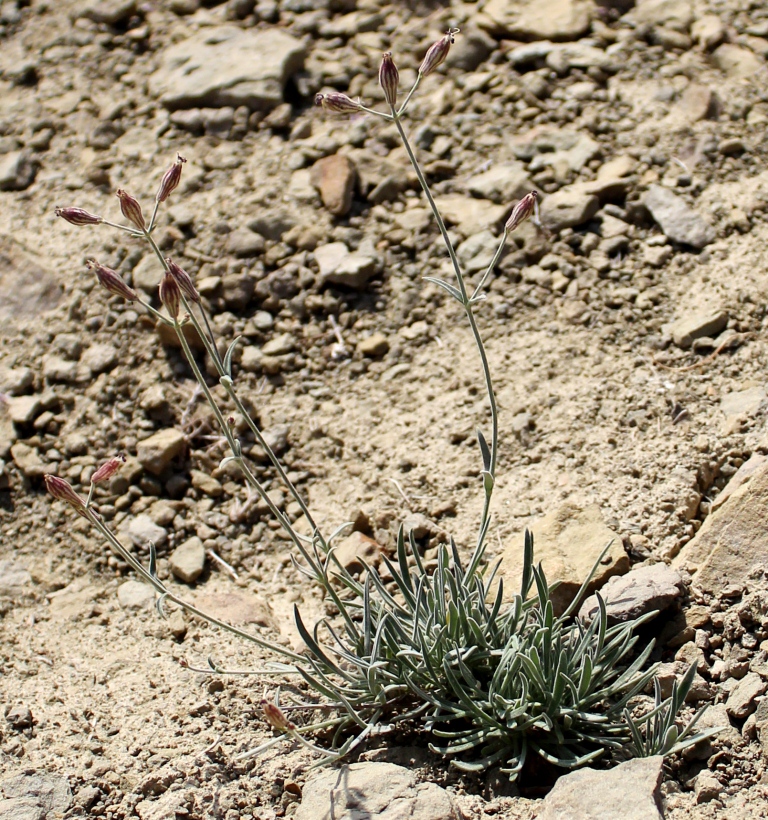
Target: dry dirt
column 598, row 405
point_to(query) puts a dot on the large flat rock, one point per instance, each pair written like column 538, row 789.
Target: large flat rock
column 567, row 542
column 226, row 65
column 532, row 20
column 629, row 792
column 732, row 540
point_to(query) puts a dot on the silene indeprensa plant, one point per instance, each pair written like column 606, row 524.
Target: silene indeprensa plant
column 490, row 682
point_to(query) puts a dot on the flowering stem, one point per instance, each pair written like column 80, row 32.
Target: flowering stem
column 467, row 304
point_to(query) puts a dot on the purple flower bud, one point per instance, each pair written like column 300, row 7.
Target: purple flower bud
column 77, row 216
column 338, row 103
column 131, row 209
column 112, row 281
column 389, row 78
column 276, row 718
column 437, row 52
column 522, row 211
column 170, row 180
column 170, row 295
column 183, row 280
column 108, row 469
column 63, row 491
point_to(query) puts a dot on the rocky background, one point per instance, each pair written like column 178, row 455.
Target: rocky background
column 625, row 336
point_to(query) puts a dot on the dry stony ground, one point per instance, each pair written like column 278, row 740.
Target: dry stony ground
column 626, row 341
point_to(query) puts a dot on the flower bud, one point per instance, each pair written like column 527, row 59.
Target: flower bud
column 170, row 295
column 522, row 211
column 77, row 216
column 337, row 102
column 63, row 491
column 275, row 717
column 112, row 281
column 183, row 280
column 131, row 209
column 437, row 52
column 170, row 179
column 389, row 78
column 108, row 469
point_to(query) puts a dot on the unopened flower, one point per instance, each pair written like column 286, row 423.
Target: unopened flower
column 338, row 103
column 77, row 216
column 170, row 180
column 389, row 78
column 112, row 281
column 183, row 279
column 438, row 52
column 131, row 209
column 108, row 469
column 522, row 211
column 63, row 491
column 170, row 295
column 276, row 718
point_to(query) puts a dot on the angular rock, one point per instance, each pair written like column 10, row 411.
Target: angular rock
column 367, row 790
column 742, row 403
column 187, row 561
column 673, row 14
column 355, row 547
column 15, row 380
column 58, row 369
column 17, row 171
column 142, row 529
column 741, row 701
column 643, row 590
column 697, row 102
column 156, row 452
column 567, row 541
column 207, row 484
column 100, row 357
column 135, row 595
column 244, row 243
column 708, row 323
column 737, row 62
column 629, row 791
column 707, row 787
column 555, row 20
column 374, row 346
column 679, row 222
column 708, row 31
column 732, row 540
column 568, row 207
column 340, row 267
column 560, row 148
column 503, row 184
column 228, row 66
column 110, row 12
column 24, row 409
column 334, row 177
column 28, row 460
column 470, row 215
column 34, row 795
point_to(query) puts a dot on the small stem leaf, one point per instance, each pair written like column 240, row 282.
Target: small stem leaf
column 227, row 363
column 152, row 560
column 485, row 450
column 451, row 289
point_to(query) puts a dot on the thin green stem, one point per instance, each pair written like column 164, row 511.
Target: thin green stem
column 160, row 587
column 467, row 303
column 402, row 108
column 234, row 445
column 489, row 270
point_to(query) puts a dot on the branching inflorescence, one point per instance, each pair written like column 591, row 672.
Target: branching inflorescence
column 440, row 651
